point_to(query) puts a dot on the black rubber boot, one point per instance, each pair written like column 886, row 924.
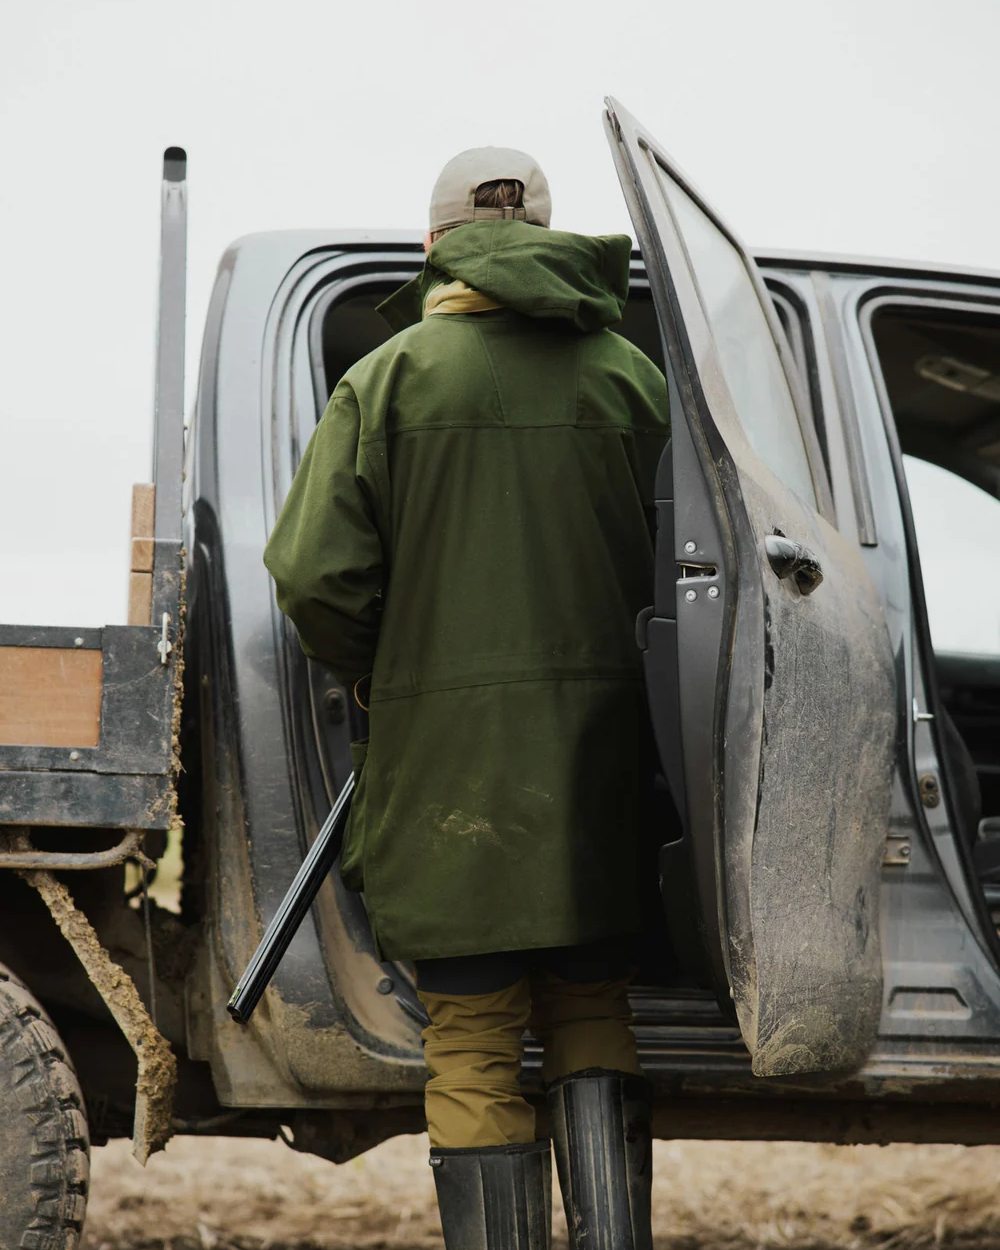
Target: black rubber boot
column 601, row 1133
column 496, row 1197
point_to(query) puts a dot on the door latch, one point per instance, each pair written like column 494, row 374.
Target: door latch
column 164, row 646
column 919, row 716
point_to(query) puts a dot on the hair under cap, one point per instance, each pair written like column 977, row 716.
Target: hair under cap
column 453, row 200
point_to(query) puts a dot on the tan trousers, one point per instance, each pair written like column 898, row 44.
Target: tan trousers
column 474, row 1044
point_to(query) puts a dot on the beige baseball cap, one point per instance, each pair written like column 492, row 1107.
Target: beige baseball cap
column 454, row 194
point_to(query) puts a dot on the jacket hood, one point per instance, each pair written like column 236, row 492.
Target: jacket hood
column 575, row 278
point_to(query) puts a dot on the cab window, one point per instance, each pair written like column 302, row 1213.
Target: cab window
column 958, row 536
column 938, row 361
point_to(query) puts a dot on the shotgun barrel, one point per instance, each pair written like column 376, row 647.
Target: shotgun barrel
column 286, row 920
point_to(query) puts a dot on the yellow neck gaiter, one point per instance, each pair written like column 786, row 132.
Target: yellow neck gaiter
column 457, row 297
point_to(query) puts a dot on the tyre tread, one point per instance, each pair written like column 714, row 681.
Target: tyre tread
column 49, row 1095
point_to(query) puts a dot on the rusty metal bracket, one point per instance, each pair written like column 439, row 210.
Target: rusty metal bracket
column 157, row 1075
column 897, row 850
column 25, row 856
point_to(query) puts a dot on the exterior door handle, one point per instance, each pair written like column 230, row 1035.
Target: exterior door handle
column 791, row 559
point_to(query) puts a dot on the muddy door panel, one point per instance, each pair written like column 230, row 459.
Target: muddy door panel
column 784, row 689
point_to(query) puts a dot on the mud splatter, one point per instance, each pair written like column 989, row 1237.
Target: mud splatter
column 157, row 1074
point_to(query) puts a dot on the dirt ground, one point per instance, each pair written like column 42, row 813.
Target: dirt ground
column 220, row 1194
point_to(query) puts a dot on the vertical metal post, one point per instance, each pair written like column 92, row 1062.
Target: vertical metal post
column 168, row 425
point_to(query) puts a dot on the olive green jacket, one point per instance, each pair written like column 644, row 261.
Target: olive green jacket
column 470, row 525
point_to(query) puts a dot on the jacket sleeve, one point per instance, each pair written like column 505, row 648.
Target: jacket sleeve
column 325, row 553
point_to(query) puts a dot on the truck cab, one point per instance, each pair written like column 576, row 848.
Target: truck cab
column 875, row 346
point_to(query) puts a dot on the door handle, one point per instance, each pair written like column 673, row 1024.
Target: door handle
column 791, row 559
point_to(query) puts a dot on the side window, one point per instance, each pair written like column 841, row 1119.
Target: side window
column 745, row 344
column 958, row 537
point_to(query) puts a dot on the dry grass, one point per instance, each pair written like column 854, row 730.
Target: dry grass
column 218, row 1194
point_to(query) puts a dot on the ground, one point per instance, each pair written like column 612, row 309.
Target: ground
column 220, row 1194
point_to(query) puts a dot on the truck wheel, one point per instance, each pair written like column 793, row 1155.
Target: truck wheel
column 44, row 1146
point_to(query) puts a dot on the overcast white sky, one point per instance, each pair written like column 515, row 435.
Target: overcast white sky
column 834, row 125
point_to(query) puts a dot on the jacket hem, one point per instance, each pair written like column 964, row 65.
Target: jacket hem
column 499, row 941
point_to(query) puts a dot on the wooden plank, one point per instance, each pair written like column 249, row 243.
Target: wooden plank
column 140, row 581
column 143, row 507
column 50, row 696
column 142, row 555
column 140, row 598
column 137, row 707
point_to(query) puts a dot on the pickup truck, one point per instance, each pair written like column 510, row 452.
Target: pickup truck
column 820, row 956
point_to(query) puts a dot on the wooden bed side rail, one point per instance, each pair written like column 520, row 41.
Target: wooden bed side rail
column 140, row 580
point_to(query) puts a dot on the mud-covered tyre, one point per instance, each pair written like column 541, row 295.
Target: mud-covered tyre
column 44, row 1146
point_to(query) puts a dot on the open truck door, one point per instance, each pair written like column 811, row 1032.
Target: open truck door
column 767, row 655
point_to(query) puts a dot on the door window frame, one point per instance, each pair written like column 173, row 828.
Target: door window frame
column 797, row 385
column 850, row 424
column 802, row 346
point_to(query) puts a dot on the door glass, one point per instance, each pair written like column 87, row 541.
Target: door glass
column 958, row 537
column 750, row 364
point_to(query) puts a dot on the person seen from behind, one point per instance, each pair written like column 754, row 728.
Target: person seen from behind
column 467, row 544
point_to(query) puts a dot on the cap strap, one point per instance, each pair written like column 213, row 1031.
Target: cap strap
column 499, row 214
